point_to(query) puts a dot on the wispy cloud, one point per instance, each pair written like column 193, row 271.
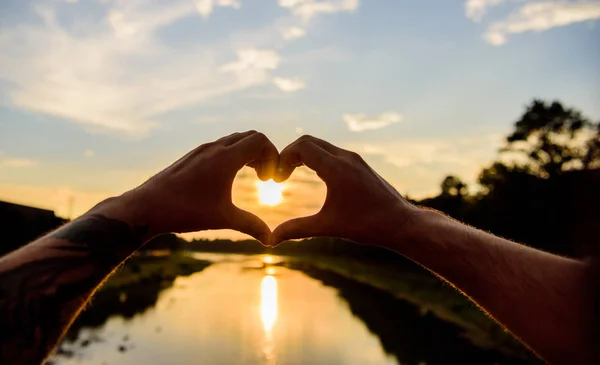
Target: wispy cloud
column 16, row 162
column 206, row 7
column 236, row 4
column 64, row 200
column 362, row 122
column 418, row 166
column 542, row 16
column 307, row 9
column 289, row 85
column 293, row 33
column 115, row 74
column 253, row 59
column 476, row 9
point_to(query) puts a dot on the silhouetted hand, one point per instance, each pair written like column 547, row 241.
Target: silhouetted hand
column 360, row 205
column 194, row 193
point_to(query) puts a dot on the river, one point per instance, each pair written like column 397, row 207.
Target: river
column 244, row 310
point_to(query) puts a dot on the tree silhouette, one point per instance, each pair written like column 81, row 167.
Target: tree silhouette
column 541, row 191
column 453, row 186
column 550, row 139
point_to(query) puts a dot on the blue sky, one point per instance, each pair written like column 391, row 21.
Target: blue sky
column 95, row 96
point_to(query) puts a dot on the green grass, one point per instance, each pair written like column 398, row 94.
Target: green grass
column 150, row 268
column 429, row 293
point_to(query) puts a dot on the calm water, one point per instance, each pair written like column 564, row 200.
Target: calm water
column 237, row 311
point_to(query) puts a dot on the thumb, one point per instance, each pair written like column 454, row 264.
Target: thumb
column 298, row 228
column 250, row 224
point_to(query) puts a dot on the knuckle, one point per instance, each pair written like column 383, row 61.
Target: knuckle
column 303, row 142
column 260, row 136
column 306, row 137
column 203, row 147
column 235, row 134
column 300, row 145
column 355, row 157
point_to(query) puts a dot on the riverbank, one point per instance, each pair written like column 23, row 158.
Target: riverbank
column 414, row 315
column 149, row 268
column 135, row 287
column 426, row 291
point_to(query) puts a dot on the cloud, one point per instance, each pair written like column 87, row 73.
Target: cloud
column 293, row 33
column 206, row 7
column 289, row 85
column 542, row 16
column 16, row 162
column 115, row 74
column 361, row 122
column 307, row 9
column 417, row 166
column 64, row 200
column 236, row 4
column 253, row 59
column 289, row 3
column 475, row 9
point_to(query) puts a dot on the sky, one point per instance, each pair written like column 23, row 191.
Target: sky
column 98, row 95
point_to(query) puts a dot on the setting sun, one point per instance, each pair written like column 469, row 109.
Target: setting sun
column 269, row 192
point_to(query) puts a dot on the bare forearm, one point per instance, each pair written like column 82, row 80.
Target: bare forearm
column 541, row 298
column 45, row 284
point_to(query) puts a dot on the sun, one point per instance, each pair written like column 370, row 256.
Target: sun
column 269, row 192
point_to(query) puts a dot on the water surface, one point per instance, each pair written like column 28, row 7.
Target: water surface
column 235, row 312
column 244, row 310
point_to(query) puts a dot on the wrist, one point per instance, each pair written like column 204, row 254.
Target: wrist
column 130, row 210
column 417, row 231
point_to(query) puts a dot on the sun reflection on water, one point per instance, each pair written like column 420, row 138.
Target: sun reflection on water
column 268, row 303
column 268, row 315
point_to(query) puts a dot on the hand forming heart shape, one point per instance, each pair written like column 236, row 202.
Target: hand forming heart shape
column 194, row 193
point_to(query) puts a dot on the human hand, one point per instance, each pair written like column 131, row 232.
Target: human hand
column 194, row 193
column 360, row 205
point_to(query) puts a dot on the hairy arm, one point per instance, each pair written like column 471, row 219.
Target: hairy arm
column 45, row 284
column 543, row 299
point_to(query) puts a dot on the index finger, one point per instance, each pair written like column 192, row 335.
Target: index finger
column 304, row 152
column 256, row 151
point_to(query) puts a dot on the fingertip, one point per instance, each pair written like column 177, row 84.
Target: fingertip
column 270, row 241
column 281, row 174
column 248, row 223
column 264, row 239
column 278, row 236
column 266, row 170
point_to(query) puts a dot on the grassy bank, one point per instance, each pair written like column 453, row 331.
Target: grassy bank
column 425, row 290
column 147, row 268
column 134, row 288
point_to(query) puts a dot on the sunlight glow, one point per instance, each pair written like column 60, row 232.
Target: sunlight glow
column 269, row 192
column 268, row 259
column 268, row 303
